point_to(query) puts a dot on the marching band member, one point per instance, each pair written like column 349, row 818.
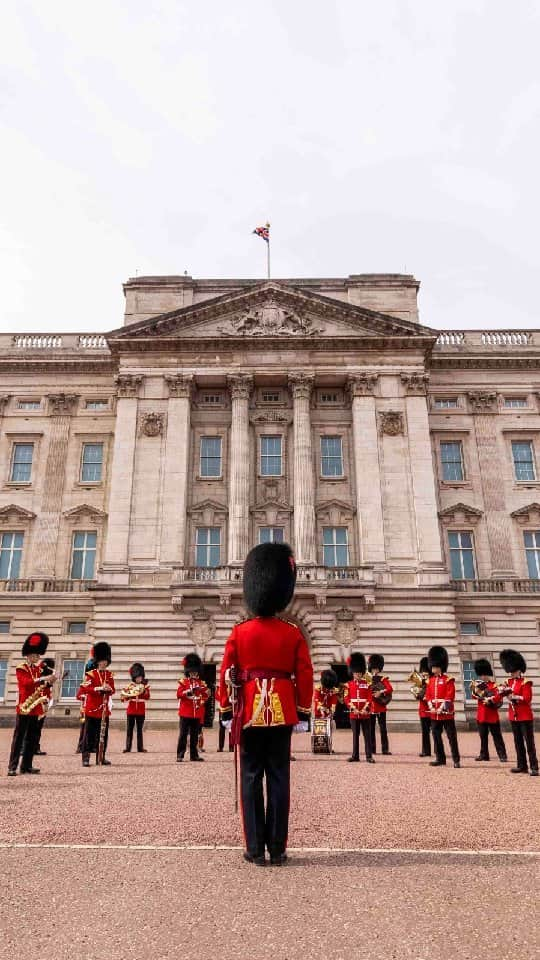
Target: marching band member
column 440, row 694
column 135, row 696
column 192, row 694
column 486, row 692
column 359, row 700
column 48, row 669
column 96, row 688
column 33, row 688
column 273, row 686
column 326, row 695
column 81, row 697
column 222, row 728
column 423, row 709
column 381, row 691
column 519, row 691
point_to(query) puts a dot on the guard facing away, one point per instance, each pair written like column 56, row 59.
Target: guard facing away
column 518, row 689
column 192, row 694
column 488, row 698
column 135, row 696
column 359, row 699
column 381, row 692
column 441, row 694
column 34, row 683
column 267, row 672
column 97, row 687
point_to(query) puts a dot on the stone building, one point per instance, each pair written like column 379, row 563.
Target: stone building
column 139, row 466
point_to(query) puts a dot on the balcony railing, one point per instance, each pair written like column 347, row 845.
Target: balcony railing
column 486, row 339
column 45, row 585
column 305, row 574
column 496, row 586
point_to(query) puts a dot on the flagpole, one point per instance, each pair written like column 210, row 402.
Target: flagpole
column 268, row 257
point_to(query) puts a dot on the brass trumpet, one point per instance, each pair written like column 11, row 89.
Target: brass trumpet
column 132, row 691
column 418, row 684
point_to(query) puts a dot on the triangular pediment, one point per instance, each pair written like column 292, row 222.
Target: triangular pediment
column 13, row 513
column 85, row 510
column 269, row 310
column 458, row 512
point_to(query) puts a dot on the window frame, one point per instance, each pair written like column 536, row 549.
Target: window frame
column 479, row 623
column 85, row 550
column 5, row 633
column 103, row 401
column 13, row 533
column 536, row 550
column 530, row 442
column 75, row 633
column 210, row 476
column 322, row 457
column 514, row 403
column 334, row 545
column 91, row 443
column 21, row 443
column 271, row 456
column 4, row 678
column 208, row 546
column 62, row 698
column 467, row 696
column 273, row 529
column 445, row 442
column 448, row 403
column 452, row 550
column 31, row 400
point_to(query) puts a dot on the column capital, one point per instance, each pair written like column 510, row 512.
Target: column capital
column 127, row 385
column 482, row 401
column 240, row 385
column 416, row 384
column 362, row 384
column 62, row 404
column 180, row 385
column 300, row 385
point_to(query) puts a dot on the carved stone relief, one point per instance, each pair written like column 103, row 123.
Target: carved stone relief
column 391, row 423
column 151, row 424
column 270, row 320
column 201, row 630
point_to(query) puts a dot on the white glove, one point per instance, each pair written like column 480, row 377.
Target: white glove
column 301, row 727
column 227, row 724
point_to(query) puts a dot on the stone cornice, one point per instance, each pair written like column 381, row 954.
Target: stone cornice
column 482, row 362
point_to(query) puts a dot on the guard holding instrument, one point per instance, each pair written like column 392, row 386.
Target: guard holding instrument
column 192, row 694
column 135, row 696
column 486, row 692
column 96, row 688
column 518, row 689
column 34, row 682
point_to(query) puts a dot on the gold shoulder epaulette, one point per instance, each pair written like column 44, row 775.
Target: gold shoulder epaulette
column 318, row 686
column 22, row 666
column 526, row 680
column 450, row 677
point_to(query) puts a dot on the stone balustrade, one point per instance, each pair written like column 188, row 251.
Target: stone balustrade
column 46, row 585
column 450, row 339
column 496, row 585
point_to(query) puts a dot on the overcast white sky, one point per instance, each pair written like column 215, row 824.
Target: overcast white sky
column 153, row 136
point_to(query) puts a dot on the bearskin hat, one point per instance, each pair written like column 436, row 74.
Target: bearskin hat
column 357, row 663
column 329, row 679
column 375, row 661
column 438, row 657
column 269, row 578
column 192, row 663
column 102, row 651
column 483, row 668
column 512, row 660
column 424, row 665
column 48, row 666
column 35, row 643
column 136, row 670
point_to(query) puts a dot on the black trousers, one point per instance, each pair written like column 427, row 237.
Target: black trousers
column 425, row 723
column 92, row 726
column 41, row 721
column 484, row 730
column 192, row 726
column 381, row 719
column 131, row 720
column 265, row 753
column 81, row 738
column 365, row 726
column 523, row 731
column 449, row 726
column 24, row 741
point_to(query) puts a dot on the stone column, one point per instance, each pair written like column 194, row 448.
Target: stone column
column 422, row 474
column 367, row 468
column 115, row 557
column 498, row 524
column 305, row 547
column 61, row 408
column 173, row 523
column 240, row 386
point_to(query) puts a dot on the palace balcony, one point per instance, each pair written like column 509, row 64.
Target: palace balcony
column 46, row 585
column 495, row 585
column 305, row 574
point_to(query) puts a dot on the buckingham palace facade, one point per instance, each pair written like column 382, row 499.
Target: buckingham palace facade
column 139, row 466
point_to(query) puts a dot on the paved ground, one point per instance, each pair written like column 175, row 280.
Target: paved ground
column 131, row 866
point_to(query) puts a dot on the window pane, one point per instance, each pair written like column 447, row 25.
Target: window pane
column 210, row 457
column 453, row 539
column 77, row 626
column 91, row 470
column 3, row 673
column 21, row 468
column 328, row 556
column 522, row 454
column 331, row 457
column 71, row 683
column 77, row 565
column 78, row 540
column 4, row 626
column 91, row 539
column 466, row 539
column 469, row 673
column 342, row 556
column 271, row 456
column 328, row 535
column 10, row 555
column 470, row 628
column 452, row 461
column 468, row 565
column 445, row 403
column 89, row 563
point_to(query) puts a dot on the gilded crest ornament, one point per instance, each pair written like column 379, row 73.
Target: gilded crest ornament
column 270, row 320
column 152, row 424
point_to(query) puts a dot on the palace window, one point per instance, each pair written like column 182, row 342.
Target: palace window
column 331, row 457
column 3, row 674
column 532, row 552
column 330, row 396
column 211, row 398
column 71, row 683
column 92, row 462
column 97, row 404
column 335, row 547
column 28, row 404
column 11, row 545
column 469, row 674
column 470, row 628
column 461, row 555
column 210, row 465
column 207, row 546
column 270, row 456
column 452, row 461
column 76, row 626
column 21, row 462
column 270, row 534
column 515, row 402
column 445, row 403
column 523, row 457
column 83, row 555
column 5, row 626
column 271, row 396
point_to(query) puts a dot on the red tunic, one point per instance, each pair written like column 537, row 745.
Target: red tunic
column 487, row 712
column 359, row 699
column 377, row 706
column 29, row 676
column 324, row 701
column 192, row 695
column 93, row 702
column 262, row 645
column 136, row 706
column 521, row 710
column 440, row 694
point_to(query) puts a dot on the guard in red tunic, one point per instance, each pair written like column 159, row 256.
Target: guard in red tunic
column 135, row 696
column 518, row 688
column 33, row 682
column 97, row 687
column 359, row 700
column 488, row 697
column 424, row 712
column 381, row 692
column 192, row 694
column 326, row 695
column 48, row 668
column 440, row 694
column 273, row 685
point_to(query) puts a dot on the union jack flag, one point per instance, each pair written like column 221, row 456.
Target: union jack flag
column 263, row 232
